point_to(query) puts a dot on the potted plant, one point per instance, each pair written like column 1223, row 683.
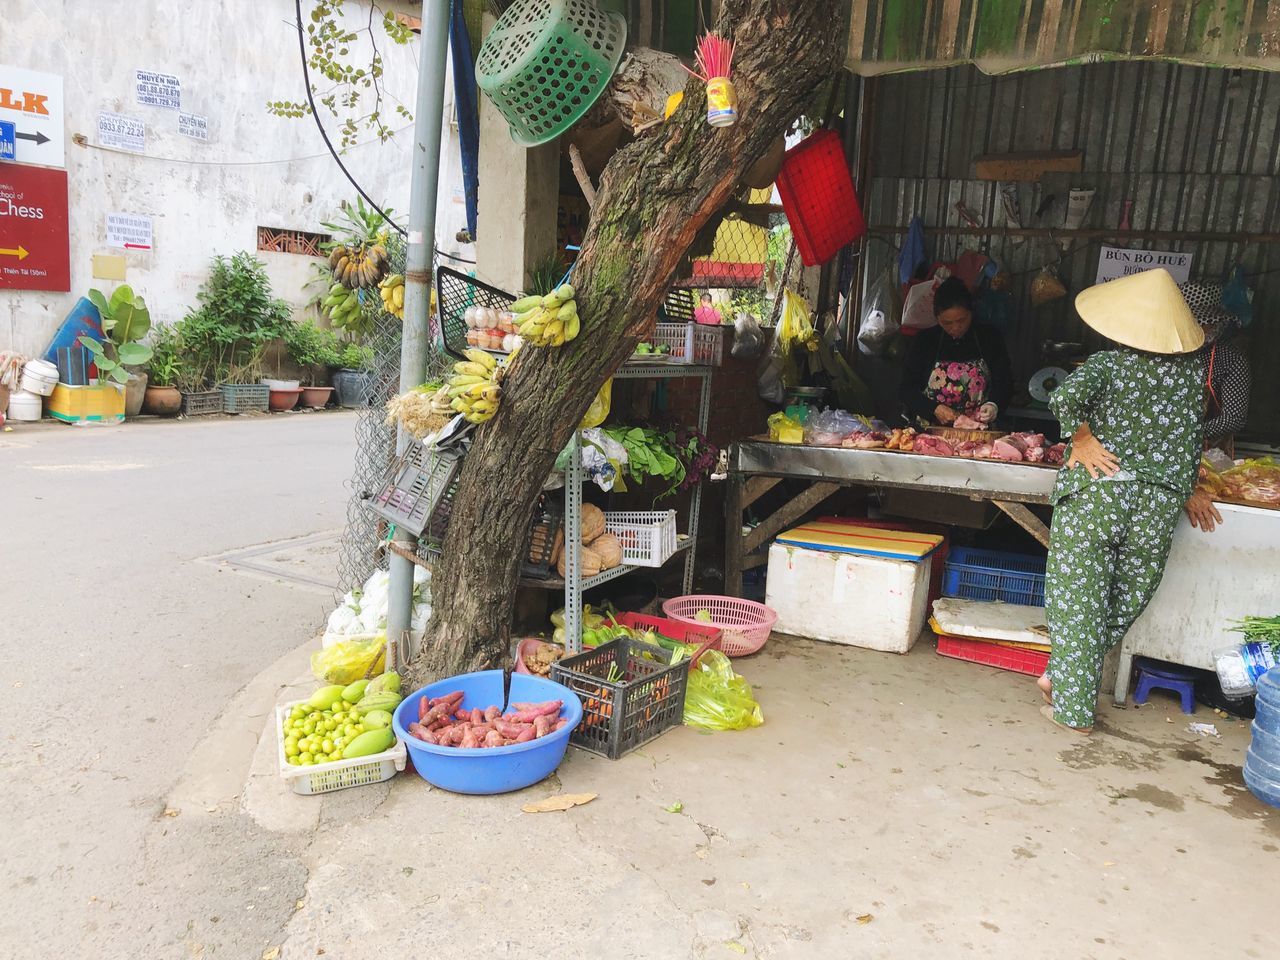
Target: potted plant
column 315, row 350
column 125, row 321
column 231, row 328
column 162, row 397
column 354, row 378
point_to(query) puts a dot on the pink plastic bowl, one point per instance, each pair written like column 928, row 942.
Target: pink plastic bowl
column 746, row 624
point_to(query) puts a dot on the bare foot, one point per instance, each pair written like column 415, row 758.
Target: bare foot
column 1047, row 713
column 1046, row 688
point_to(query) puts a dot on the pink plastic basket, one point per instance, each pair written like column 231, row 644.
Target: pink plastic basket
column 746, row 624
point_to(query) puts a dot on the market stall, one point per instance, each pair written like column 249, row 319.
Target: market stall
column 757, row 465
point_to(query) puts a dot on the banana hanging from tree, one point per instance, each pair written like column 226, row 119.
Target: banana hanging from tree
column 473, row 389
column 549, row 321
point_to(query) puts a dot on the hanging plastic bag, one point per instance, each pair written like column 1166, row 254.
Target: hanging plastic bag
column 1237, row 298
column 719, row 699
column 769, row 375
column 748, row 337
column 1046, row 287
column 598, row 412
column 350, row 659
column 796, row 330
column 917, row 305
column 881, row 315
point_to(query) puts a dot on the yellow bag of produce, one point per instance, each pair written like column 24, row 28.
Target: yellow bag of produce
column 598, row 412
column 349, row 660
column 782, row 429
column 719, row 699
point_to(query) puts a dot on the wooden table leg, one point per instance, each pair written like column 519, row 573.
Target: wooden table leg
column 1024, row 518
column 733, row 552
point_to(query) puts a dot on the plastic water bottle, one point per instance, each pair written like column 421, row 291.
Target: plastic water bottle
column 1241, row 666
column 1262, row 761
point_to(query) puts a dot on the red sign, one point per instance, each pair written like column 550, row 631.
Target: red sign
column 35, row 252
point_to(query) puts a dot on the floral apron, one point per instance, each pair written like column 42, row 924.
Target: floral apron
column 959, row 385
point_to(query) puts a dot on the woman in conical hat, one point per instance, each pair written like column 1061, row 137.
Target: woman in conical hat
column 1136, row 418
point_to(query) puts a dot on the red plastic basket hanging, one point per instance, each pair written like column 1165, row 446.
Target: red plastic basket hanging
column 817, row 195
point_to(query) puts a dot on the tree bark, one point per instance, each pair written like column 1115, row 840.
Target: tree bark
column 654, row 197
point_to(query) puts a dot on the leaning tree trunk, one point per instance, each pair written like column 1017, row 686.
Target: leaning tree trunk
column 654, row 197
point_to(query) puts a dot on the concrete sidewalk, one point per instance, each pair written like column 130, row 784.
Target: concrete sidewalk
column 889, row 807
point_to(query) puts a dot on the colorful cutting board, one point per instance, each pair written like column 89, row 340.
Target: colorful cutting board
column 844, row 537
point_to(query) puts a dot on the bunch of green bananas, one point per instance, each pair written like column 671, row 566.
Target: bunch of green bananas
column 360, row 266
column 473, row 389
column 343, row 305
column 391, row 289
column 550, row 321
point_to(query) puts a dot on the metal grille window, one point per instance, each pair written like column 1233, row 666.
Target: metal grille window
column 292, row 241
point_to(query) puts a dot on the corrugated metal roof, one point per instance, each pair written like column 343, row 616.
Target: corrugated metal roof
column 1000, row 36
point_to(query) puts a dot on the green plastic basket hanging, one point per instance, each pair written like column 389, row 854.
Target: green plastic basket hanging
column 546, row 62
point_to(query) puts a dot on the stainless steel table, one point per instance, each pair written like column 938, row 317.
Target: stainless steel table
column 756, row 466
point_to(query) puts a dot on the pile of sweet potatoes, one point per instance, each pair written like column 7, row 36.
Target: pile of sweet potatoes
column 442, row 721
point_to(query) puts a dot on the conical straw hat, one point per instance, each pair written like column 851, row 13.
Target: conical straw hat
column 1144, row 311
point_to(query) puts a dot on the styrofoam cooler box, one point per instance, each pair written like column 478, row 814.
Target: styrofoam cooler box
column 879, row 603
column 862, row 586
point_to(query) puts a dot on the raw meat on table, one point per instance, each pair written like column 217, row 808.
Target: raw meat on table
column 976, row 449
column 1056, row 454
column 964, row 422
column 1008, row 448
column 934, row 446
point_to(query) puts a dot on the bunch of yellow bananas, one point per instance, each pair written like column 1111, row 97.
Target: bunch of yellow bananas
column 550, row 321
column 360, row 265
column 473, row 389
column 391, row 290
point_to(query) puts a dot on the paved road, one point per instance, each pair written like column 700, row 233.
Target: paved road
column 120, row 648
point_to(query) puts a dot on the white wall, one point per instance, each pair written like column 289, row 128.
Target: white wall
column 231, row 56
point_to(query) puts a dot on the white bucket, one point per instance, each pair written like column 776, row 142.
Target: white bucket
column 39, row 377
column 24, row 405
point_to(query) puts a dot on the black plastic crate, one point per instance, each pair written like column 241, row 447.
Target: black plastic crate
column 206, row 401
column 245, row 397
column 631, row 692
column 455, row 292
column 417, row 492
column 547, row 523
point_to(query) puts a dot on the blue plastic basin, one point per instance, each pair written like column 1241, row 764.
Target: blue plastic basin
column 492, row 769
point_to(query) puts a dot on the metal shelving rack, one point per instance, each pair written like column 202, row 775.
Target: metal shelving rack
column 573, row 583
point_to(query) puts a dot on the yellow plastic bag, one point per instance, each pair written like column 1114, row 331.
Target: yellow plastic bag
column 782, row 429
column 795, row 328
column 598, row 412
column 719, row 699
column 349, row 660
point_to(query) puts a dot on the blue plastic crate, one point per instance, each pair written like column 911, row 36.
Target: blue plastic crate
column 974, row 574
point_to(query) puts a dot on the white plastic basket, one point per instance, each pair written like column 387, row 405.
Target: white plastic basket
column 708, row 342
column 648, row 537
column 339, row 774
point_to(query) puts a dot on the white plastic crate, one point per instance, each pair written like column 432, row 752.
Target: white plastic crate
column 339, row 774
column 648, row 537
column 708, row 342
column 874, row 602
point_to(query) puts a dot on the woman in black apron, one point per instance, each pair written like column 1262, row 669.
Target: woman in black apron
column 958, row 368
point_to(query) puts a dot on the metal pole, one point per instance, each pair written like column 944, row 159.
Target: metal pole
column 428, row 122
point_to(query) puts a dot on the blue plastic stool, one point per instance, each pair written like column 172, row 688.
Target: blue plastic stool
column 1153, row 676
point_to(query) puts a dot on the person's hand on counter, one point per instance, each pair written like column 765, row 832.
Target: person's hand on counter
column 945, row 415
column 1088, row 451
column 1202, row 512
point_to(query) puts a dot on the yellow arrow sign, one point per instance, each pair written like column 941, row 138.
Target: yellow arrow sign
column 21, row 253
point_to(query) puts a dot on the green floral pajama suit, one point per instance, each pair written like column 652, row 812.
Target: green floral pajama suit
column 1110, row 537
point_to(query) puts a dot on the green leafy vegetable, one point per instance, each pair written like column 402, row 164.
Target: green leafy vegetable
column 650, row 453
